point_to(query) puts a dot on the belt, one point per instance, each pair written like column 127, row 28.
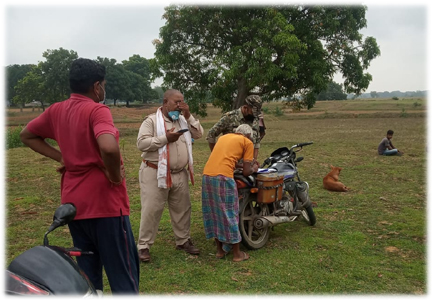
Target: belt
column 153, row 166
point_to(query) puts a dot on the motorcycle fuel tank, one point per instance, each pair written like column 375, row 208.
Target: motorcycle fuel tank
column 52, row 269
column 285, row 169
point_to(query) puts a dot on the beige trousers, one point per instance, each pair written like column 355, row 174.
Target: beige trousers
column 153, row 200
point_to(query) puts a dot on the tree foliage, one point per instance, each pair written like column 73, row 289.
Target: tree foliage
column 48, row 82
column 272, row 51
column 55, row 72
column 333, row 91
column 30, row 87
column 14, row 73
column 129, row 80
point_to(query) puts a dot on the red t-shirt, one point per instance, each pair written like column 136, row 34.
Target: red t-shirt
column 75, row 124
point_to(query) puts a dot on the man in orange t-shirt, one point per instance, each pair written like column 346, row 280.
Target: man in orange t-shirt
column 220, row 205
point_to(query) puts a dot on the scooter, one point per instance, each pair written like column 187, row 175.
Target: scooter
column 49, row 270
column 273, row 196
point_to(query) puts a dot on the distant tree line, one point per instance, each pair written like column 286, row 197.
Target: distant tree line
column 386, row 94
column 335, row 91
column 48, row 81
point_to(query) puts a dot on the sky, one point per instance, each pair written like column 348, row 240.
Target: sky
column 120, row 31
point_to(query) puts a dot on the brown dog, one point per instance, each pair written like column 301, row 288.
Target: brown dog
column 331, row 181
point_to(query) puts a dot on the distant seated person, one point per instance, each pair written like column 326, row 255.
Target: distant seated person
column 386, row 147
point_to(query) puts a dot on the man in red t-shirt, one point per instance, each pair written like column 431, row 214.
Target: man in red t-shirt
column 92, row 176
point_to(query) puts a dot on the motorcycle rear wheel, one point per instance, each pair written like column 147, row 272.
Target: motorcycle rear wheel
column 309, row 215
column 252, row 237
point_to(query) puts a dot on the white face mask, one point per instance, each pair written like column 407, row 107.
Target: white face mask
column 103, row 100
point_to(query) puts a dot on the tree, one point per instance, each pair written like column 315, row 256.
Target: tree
column 159, row 93
column 334, row 91
column 14, row 73
column 116, row 77
column 141, row 66
column 30, row 88
column 55, row 72
column 374, row 94
column 273, row 51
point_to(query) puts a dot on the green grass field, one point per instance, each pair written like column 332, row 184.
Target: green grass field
column 371, row 240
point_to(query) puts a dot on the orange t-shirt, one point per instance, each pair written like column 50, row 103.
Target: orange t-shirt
column 229, row 149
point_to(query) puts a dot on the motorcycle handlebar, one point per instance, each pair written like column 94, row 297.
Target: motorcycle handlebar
column 302, row 145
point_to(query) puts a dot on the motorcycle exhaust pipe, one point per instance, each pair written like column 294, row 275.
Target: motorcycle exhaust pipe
column 266, row 221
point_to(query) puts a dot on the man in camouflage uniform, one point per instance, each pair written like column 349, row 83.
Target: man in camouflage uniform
column 246, row 114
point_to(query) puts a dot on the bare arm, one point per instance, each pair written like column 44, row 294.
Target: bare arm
column 38, row 144
column 255, row 153
column 110, row 153
column 249, row 168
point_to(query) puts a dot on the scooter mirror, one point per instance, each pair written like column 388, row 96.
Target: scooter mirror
column 64, row 214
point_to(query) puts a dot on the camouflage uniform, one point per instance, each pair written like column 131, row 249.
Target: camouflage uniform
column 231, row 120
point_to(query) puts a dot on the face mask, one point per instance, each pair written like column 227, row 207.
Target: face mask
column 103, row 100
column 249, row 118
column 174, row 115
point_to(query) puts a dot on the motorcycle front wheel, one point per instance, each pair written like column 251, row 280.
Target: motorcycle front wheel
column 252, row 237
column 309, row 215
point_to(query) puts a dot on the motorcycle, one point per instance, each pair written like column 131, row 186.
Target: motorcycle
column 272, row 196
column 49, row 270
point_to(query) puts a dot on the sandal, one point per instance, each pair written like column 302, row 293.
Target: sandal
column 221, row 256
column 245, row 257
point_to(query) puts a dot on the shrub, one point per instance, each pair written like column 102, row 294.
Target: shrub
column 403, row 114
column 278, row 112
column 395, row 98
column 13, row 137
column 415, row 104
column 265, row 110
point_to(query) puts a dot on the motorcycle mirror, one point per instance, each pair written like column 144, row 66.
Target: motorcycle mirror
column 299, row 159
column 64, row 214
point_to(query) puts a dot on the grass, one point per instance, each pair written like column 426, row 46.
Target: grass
column 371, row 240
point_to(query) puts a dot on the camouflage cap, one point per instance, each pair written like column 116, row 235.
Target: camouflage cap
column 256, row 103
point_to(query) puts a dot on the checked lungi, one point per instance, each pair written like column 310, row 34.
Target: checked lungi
column 220, row 208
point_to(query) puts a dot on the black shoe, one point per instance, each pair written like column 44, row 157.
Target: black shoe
column 188, row 247
column 144, row 255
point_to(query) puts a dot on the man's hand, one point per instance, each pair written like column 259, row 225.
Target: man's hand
column 172, row 136
column 122, row 175
column 184, row 109
column 256, row 163
column 62, row 168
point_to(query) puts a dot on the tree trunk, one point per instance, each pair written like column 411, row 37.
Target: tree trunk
column 127, row 103
column 242, row 93
column 115, row 101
